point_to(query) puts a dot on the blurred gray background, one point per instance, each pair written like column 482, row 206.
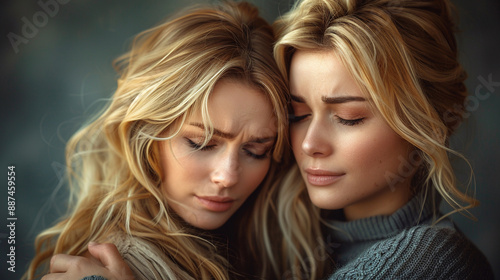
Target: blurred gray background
column 52, row 80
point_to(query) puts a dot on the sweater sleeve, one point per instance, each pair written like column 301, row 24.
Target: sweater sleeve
column 421, row 252
column 146, row 261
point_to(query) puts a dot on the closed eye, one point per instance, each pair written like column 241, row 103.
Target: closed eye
column 350, row 122
column 295, row 119
column 258, row 150
column 197, row 146
column 255, row 156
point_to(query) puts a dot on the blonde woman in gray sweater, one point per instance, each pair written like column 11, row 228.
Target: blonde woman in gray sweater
column 377, row 91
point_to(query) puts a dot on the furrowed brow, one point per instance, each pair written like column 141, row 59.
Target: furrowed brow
column 217, row 132
column 263, row 139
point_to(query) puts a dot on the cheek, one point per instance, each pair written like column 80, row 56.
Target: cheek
column 381, row 154
column 182, row 168
column 191, row 165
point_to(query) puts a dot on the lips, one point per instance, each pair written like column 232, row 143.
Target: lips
column 320, row 177
column 216, row 203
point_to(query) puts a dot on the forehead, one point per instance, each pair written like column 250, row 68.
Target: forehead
column 321, row 72
column 236, row 107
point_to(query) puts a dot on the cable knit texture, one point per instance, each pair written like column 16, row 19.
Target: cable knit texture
column 146, row 261
column 405, row 245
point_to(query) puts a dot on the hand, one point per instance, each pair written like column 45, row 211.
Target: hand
column 102, row 259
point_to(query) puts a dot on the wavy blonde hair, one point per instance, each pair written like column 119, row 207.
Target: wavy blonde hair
column 113, row 165
column 292, row 235
column 403, row 55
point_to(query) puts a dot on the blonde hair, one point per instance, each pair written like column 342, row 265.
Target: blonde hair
column 293, row 231
column 113, row 166
column 403, row 55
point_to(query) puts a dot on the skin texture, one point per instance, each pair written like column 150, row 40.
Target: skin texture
column 345, row 150
column 232, row 164
column 100, row 259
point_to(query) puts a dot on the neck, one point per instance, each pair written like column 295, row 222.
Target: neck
column 385, row 202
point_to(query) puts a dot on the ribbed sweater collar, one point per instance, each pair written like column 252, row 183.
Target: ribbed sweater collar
column 383, row 226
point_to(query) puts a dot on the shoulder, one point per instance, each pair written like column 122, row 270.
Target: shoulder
column 443, row 252
column 420, row 252
column 145, row 259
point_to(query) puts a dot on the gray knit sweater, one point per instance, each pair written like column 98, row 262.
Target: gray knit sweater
column 404, row 245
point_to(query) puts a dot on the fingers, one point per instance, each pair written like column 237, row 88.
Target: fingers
column 101, row 259
column 108, row 255
column 57, row 276
column 61, row 263
column 52, row 277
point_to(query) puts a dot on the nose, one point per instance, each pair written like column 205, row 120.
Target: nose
column 226, row 171
column 318, row 140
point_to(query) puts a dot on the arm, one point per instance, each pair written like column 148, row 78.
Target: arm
column 101, row 259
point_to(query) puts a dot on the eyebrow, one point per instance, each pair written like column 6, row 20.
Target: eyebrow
column 341, row 99
column 230, row 136
column 331, row 100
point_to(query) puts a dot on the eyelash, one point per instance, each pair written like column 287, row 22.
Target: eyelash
column 196, row 146
column 252, row 155
column 350, row 122
column 295, row 119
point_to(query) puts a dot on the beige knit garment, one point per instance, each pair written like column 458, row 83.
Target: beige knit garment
column 146, row 260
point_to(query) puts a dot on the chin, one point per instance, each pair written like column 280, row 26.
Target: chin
column 322, row 199
column 208, row 224
column 325, row 204
column 208, row 227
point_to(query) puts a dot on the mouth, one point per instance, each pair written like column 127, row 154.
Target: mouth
column 320, row 177
column 215, row 203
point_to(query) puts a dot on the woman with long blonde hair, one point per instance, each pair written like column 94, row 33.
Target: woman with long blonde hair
column 377, row 90
column 198, row 123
